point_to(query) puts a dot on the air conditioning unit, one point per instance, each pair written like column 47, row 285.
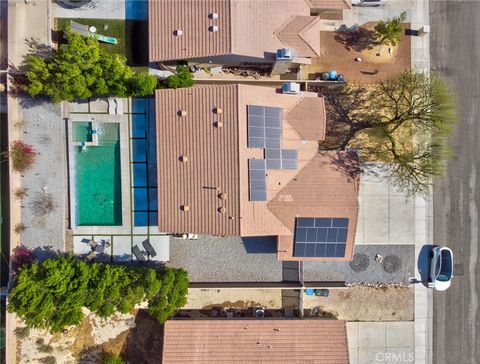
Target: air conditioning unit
column 286, row 53
column 291, row 88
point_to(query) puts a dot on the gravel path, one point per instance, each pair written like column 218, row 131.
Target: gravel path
column 397, row 266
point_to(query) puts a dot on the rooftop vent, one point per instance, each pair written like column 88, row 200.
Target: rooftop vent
column 222, row 210
column 213, row 15
column 213, row 28
column 185, row 208
column 218, row 110
column 182, row 113
column 184, row 158
column 222, row 196
column 178, row 32
column 219, row 124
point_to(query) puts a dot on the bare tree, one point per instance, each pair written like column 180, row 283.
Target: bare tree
column 403, row 122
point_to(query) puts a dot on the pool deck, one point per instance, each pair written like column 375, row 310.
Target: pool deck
column 122, row 120
column 122, row 238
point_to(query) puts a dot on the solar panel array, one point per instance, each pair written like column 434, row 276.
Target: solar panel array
column 257, row 180
column 265, row 126
column 321, row 237
column 265, row 129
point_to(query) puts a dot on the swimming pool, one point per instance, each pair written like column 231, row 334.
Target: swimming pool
column 98, row 199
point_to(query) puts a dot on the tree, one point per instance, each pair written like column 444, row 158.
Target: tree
column 403, row 122
column 82, row 69
column 183, row 78
column 51, row 295
column 388, row 32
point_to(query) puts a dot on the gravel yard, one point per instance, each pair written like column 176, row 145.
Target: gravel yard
column 395, row 264
column 363, row 303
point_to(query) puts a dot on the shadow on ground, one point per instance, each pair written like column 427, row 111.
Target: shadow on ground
column 260, row 245
column 424, row 263
column 144, row 343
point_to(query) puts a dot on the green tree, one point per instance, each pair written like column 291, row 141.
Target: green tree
column 403, row 122
column 51, row 295
column 183, row 78
column 388, row 32
column 82, row 69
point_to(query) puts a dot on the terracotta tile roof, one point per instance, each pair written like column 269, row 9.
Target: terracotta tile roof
column 301, row 33
column 330, row 4
column 211, row 168
column 193, row 18
column 255, row 341
column 217, row 163
column 325, row 187
column 245, row 28
column 308, row 118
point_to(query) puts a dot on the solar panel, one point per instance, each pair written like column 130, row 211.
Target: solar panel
column 264, row 122
column 257, row 179
column 321, row 237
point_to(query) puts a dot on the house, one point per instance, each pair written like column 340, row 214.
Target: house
column 241, row 160
column 229, row 32
column 255, row 341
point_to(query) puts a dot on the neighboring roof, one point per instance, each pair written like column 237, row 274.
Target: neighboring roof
column 255, row 341
column 212, row 165
column 308, row 118
column 302, row 34
column 323, row 188
column 245, row 28
column 193, row 19
column 330, row 4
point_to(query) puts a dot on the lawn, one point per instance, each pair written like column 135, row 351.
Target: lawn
column 132, row 36
column 116, row 28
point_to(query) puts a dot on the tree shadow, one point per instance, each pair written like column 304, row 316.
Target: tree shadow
column 144, row 342
column 355, row 38
column 348, row 162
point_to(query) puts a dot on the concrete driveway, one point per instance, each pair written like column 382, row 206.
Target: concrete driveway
column 381, row 342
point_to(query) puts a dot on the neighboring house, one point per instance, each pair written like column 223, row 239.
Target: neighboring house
column 240, row 160
column 255, row 341
column 228, row 32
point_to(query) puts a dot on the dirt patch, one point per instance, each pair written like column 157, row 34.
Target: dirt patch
column 362, row 303
column 338, row 55
column 234, row 298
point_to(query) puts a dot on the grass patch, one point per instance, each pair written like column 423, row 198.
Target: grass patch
column 116, row 28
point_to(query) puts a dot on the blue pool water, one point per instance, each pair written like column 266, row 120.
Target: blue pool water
column 136, row 9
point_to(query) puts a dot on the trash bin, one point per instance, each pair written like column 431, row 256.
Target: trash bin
column 309, row 291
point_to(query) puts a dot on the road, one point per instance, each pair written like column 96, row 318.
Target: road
column 455, row 55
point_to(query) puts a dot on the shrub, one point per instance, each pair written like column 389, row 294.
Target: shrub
column 21, row 257
column 51, row 295
column 20, row 193
column 19, row 228
column 22, row 332
column 112, row 359
column 143, row 84
column 22, row 156
column 183, row 78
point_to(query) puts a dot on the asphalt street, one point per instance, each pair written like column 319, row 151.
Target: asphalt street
column 455, row 55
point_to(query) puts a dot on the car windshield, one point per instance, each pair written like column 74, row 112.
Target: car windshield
column 446, row 266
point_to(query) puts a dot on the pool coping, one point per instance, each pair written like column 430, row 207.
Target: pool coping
column 123, row 121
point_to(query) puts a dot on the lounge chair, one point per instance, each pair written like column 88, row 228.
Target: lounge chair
column 138, row 253
column 149, row 248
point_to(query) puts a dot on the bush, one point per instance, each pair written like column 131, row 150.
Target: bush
column 183, row 78
column 20, row 193
column 20, row 228
column 22, row 156
column 51, row 295
column 113, row 359
column 143, row 84
column 21, row 257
